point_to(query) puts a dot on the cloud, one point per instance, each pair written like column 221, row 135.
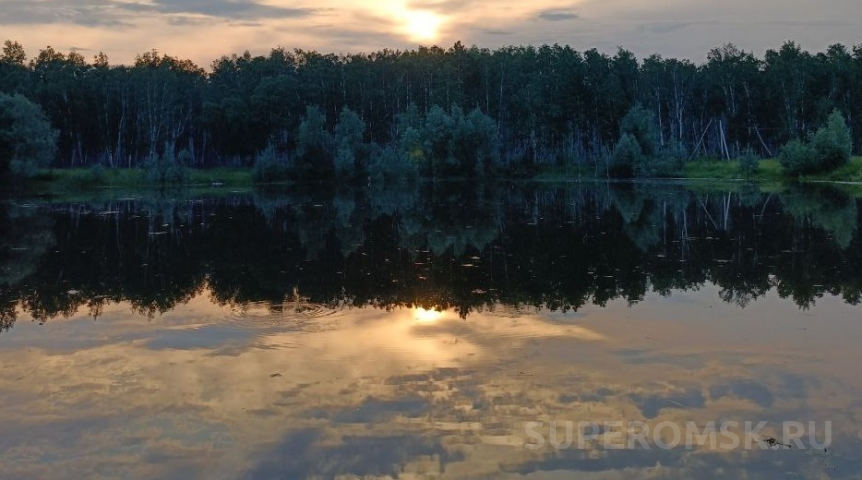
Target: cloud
column 228, row 9
column 495, row 32
column 110, row 13
column 558, row 15
column 95, row 13
column 441, row 6
column 669, row 27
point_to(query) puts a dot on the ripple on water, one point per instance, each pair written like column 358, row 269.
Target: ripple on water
column 303, row 316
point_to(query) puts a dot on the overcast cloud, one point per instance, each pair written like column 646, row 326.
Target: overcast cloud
column 206, row 29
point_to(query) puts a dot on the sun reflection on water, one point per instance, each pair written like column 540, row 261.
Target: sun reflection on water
column 426, row 316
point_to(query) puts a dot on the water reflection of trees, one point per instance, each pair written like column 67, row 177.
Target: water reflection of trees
column 444, row 246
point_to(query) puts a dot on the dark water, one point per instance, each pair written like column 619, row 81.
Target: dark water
column 418, row 334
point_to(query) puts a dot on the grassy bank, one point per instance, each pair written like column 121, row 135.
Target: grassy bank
column 769, row 173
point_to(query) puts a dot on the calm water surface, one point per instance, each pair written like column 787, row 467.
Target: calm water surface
column 418, row 334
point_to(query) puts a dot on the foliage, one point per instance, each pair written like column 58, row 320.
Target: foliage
column 167, row 168
column 829, row 148
column 437, row 133
column 639, row 151
column 314, row 146
column 798, row 157
column 387, row 166
column 474, row 142
column 627, row 157
column 749, row 164
column 349, row 134
column 550, row 106
column 832, row 143
column 269, row 167
column 641, row 125
column 27, row 140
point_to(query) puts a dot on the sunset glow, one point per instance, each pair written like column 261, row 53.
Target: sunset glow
column 205, row 30
column 427, row 316
column 422, row 26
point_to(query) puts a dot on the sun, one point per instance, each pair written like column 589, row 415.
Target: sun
column 422, row 26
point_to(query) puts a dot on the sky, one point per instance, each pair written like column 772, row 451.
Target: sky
column 204, row 30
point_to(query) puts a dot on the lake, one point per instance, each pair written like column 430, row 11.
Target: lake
column 449, row 331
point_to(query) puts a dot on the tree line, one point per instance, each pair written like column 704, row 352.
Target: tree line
column 465, row 111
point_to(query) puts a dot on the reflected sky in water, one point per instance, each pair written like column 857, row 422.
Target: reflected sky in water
column 218, row 392
column 168, row 354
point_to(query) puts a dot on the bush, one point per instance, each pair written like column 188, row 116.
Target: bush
column 641, row 124
column 666, row 163
column 833, row 144
column 626, row 157
column 269, row 167
column 828, row 149
column 387, row 167
column 749, row 163
column 639, row 153
column 95, row 175
column 797, row 157
column 167, row 169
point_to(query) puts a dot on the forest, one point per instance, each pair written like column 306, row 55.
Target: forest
column 461, row 111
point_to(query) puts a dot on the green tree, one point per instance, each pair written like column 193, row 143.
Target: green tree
column 438, row 132
column 828, row 149
column 638, row 151
column 13, row 67
column 313, row 145
column 627, row 155
column 640, row 124
column 168, row 168
column 832, row 143
column 27, row 140
column 474, row 142
column 349, row 133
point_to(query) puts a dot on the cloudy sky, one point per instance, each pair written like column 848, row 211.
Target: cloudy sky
column 206, row 29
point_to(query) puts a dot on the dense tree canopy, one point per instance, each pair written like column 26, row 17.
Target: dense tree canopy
column 26, row 138
column 539, row 105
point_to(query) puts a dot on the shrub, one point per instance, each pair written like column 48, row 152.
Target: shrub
column 749, row 163
column 641, row 124
column 269, row 167
column 626, row 157
column 387, row 166
column 828, row 149
column 167, row 169
column 666, row 163
column 95, row 175
column 832, row 143
column 639, row 153
column 797, row 157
